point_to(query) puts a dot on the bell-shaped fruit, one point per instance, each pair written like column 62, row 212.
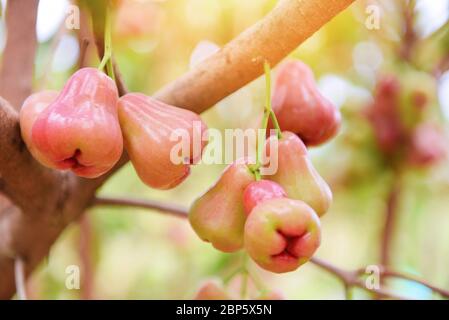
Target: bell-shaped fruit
column 32, row 107
column 218, row 216
column 212, row 290
column 79, row 130
column 296, row 173
column 151, row 130
column 300, row 107
column 282, row 234
column 259, row 191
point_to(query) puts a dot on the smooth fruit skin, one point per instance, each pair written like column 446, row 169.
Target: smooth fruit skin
column 32, row 107
column 260, row 191
column 147, row 126
column 282, row 234
column 218, row 216
column 79, row 130
column 212, row 290
column 300, row 107
column 297, row 175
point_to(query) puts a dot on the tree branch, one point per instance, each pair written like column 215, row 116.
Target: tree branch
column 351, row 279
column 409, row 37
column 22, row 178
column 391, row 216
column 241, row 60
column 143, row 204
column 387, row 273
column 48, row 200
column 16, row 75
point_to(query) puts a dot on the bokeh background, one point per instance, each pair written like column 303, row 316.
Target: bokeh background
column 139, row 254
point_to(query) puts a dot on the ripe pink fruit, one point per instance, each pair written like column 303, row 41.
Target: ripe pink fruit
column 31, row 109
column 150, row 129
column 296, row 173
column 79, row 130
column 282, row 234
column 218, row 216
column 260, row 191
column 300, row 107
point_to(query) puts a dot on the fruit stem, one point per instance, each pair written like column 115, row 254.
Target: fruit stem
column 257, row 281
column 260, row 146
column 268, row 113
column 276, row 124
column 267, row 69
column 268, row 106
column 107, row 56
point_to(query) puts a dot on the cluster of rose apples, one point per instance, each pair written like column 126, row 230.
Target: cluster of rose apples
column 83, row 127
column 275, row 218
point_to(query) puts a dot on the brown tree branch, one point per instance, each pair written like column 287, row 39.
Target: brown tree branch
column 387, row 273
column 409, row 37
column 351, row 279
column 144, row 204
column 16, row 75
column 48, row 200
column 22, row 179
column 391, row 216
column 241, row 60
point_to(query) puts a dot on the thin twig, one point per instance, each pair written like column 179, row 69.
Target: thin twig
column 391, row 216
column 19, row 273
column 395, row 274
column 409, row 37
column 144, row 204
column 349, row 278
